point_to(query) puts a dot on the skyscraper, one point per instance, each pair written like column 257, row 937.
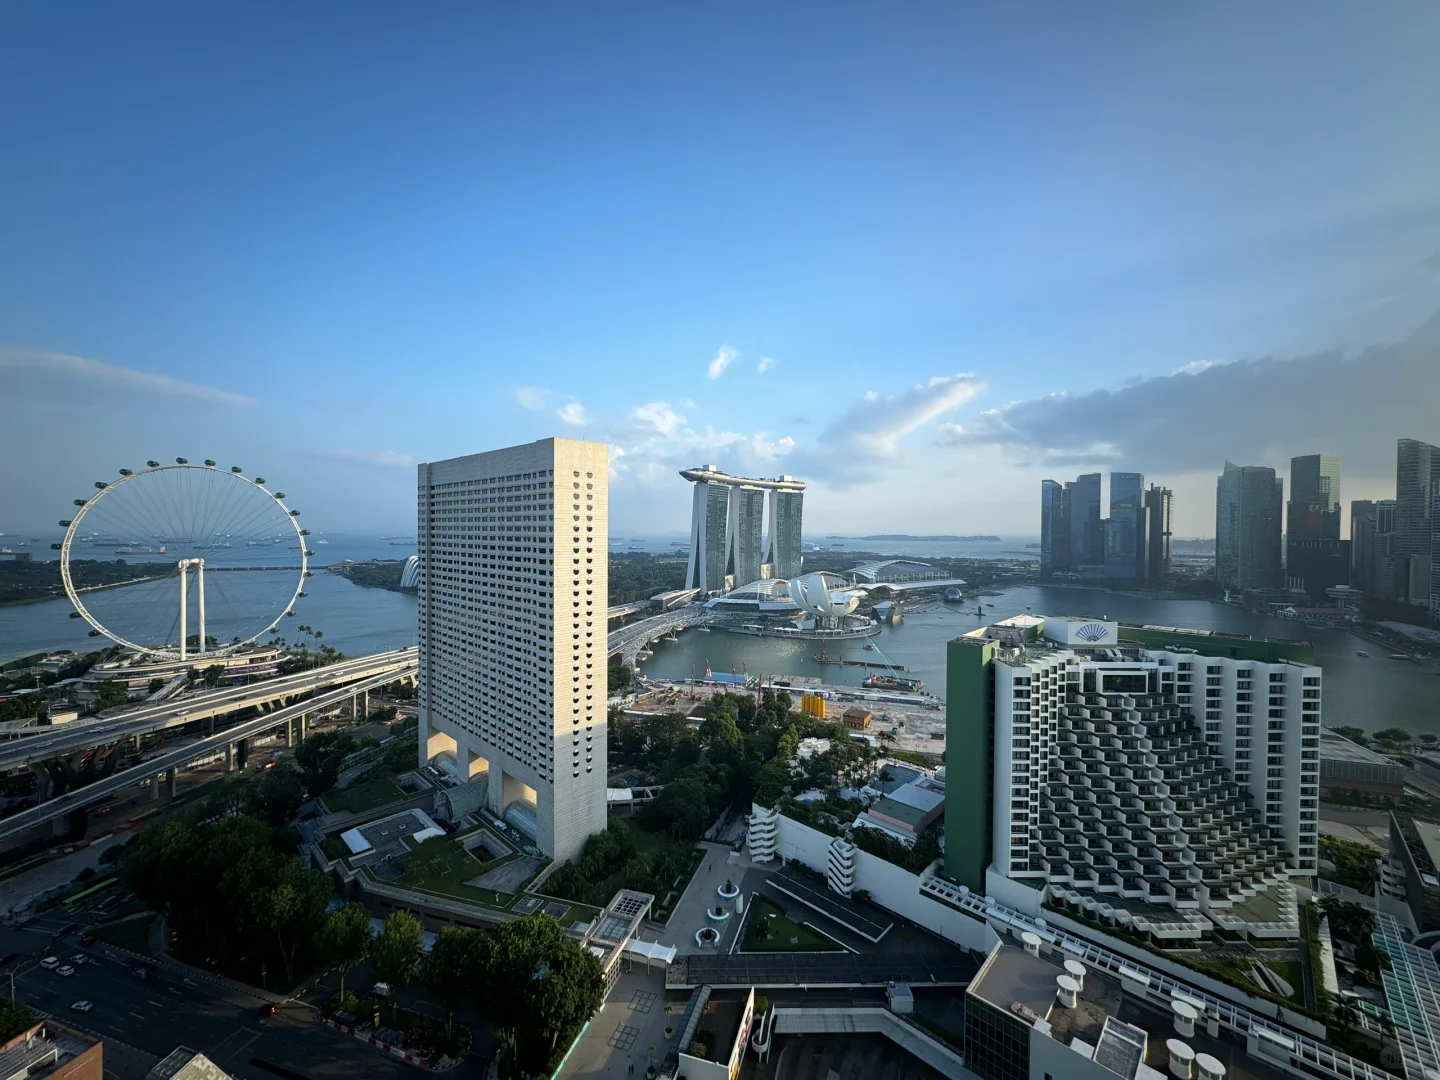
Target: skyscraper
column 1087, row 534
column 727, row 529
column 1229, row 723
column 1315, row 556
column 1414, row 543
column 709, row 524
column 747, row 511
column 783, row 548
column 1248, row 511
column 1159, row 506
column 1435, row 548
column 1054, row 527
column 512, row 617
column 1125, row 532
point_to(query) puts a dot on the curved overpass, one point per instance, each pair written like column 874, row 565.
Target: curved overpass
column 40, row 744
column 173, row 759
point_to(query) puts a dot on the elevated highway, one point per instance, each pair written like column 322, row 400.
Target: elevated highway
column 34, row 745
column 165, row 764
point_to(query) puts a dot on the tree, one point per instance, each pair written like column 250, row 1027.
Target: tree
column 1393, row 735
column 14, row 1019
column 537, row 986
column 346, row 939
column 319, row 758
column 448, row 968
column 213, row 674
column 619, row 675
column 1428, row 739
column 109, row 694
column 156, row 685
column 293, row 908
column 395, row 956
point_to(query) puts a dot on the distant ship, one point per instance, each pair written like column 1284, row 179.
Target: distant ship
column 139, row 551
column 317, row 541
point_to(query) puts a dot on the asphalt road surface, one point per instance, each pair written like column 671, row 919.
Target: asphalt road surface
column 142, row 1021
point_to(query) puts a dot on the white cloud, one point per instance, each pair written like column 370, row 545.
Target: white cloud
column 1253, row 412
column 534, row 398
column 874, row 425
column 765, row 364
column 573, row 413
column 387, row 458
column 724, row 357
column 661, row 416
column 98, row 373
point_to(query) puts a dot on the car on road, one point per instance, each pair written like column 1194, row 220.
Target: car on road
column 86, row 940
column 50, row 963
column 268, row 1009
column 9, row 958
column 65, row 970
column 79, row 958
column 141, row 973
column 82, row 1006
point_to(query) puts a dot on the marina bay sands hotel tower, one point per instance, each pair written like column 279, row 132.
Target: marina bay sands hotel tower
column 729, row 546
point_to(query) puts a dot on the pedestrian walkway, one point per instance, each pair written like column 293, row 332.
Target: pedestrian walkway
column 627, row 1035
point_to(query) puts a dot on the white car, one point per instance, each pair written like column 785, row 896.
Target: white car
column 50, row 962
column 79, row 958
column 82, row 1006
column 65, row 970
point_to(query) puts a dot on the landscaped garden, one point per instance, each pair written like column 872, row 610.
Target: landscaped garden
column 367, row 796
column 769, row 929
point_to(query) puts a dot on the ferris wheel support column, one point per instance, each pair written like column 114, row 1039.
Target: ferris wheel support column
column 200, row 602
column 184, row 577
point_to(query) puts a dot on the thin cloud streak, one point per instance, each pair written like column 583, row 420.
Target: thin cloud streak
column 63, row 365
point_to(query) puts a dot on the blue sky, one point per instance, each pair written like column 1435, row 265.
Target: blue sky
column 976, row 245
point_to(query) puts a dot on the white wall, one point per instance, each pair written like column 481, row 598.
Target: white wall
column 891, row 887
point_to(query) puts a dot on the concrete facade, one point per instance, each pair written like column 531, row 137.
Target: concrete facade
column 513, row 587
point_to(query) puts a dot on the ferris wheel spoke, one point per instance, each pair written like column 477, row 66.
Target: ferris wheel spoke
column 201, row 513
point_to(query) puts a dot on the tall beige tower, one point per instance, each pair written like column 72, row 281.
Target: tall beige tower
column 512, row 624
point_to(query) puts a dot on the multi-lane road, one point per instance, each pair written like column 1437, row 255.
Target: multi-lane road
column 173, row 759
column 41, row 743
column 142, row 1021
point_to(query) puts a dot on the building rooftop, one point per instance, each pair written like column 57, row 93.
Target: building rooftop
column 1013, row 977
column 1338, row 748
column 918, row 795
column 1126, row 1035
column 712, row 474
column 182, row 1063
column 898, row 811
column 44, row 1049
column 723, row 1014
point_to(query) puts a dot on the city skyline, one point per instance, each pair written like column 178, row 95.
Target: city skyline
column 494, row 206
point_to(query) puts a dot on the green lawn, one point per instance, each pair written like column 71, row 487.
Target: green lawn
column 132, row 934
column 334, row 848
column 764, row 912
column 1291, row 972
column 360, row 797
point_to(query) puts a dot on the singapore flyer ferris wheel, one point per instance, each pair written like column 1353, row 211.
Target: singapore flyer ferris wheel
column 213, row 560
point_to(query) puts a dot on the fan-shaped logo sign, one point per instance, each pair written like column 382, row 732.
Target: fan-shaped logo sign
column 1093, row 632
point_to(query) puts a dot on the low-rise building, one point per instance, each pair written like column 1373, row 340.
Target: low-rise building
column 1415, row 849
column 1349, row 769
column 1032, row 1014
column 856, row 719
column 53, row 1051
column 907, row 811
column 182, row 1063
